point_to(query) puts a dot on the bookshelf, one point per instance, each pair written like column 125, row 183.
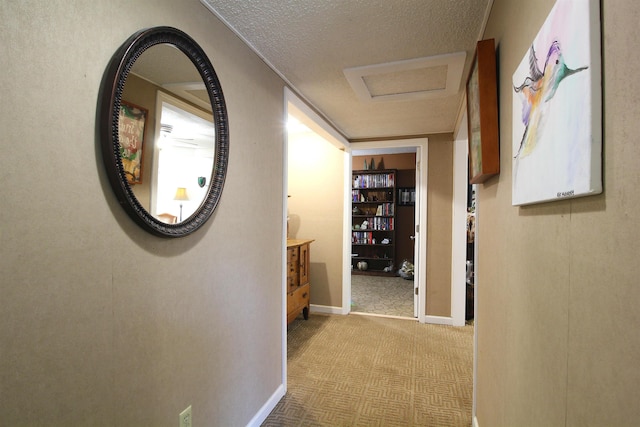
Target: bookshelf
column 373, row 202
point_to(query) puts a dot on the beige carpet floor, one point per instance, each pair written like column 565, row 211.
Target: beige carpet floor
column 374, row 371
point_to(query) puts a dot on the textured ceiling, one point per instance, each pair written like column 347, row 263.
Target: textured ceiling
column 311, row 43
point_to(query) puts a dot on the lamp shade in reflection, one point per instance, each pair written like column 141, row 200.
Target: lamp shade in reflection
column 181, row 194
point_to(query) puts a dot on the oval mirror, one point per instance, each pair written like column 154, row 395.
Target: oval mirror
column 164, row 131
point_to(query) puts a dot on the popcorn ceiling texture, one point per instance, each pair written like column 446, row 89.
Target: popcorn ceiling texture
column 310, row 43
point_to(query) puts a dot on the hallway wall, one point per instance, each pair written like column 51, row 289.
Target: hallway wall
column 101, row 323
column 316, row 210
column 439, row 221
column 558, row 282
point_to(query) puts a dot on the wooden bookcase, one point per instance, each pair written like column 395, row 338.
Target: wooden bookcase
column 373, row 202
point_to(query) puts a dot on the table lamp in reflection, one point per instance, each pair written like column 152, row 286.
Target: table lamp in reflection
column 181, row 195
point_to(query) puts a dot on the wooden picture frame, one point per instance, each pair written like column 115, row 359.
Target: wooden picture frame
column 482, row 114
column 131, row 132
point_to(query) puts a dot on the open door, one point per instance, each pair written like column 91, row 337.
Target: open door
column 408, row 216
column 416, row 240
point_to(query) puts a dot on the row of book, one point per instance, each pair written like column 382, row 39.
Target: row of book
column 371, row 196
column 378, row 224
column 368, row 238
column 380, row 180
column 363, row 238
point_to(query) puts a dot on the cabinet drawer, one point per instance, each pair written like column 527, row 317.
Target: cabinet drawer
column 303, row 259
column 293, row 267
column 298, row 299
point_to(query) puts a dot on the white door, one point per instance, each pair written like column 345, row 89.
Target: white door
column 416, row 241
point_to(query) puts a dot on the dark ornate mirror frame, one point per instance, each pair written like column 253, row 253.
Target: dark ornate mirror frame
column 110, row 99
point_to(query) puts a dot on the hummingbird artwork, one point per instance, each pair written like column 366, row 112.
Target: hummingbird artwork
column 537, row 90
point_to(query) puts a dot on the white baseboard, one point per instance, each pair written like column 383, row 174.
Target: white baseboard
column 326, row 309
column 266, row 409
column 388, row 316
column 438, row 320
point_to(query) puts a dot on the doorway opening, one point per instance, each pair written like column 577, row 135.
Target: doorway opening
column 335, row 297
column 383, row 211
column 409, row 203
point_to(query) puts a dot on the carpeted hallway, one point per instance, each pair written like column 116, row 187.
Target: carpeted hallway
column 372, row 371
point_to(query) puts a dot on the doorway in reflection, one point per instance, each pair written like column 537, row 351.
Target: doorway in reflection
column 183, row 158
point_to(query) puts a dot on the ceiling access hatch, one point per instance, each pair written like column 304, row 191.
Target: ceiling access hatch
column 411, row 79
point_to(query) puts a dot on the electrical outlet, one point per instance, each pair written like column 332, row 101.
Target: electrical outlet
column 185, row 418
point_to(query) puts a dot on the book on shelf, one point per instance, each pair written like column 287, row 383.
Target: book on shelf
column 374, row 180
column 377, row 223
column 385, row 209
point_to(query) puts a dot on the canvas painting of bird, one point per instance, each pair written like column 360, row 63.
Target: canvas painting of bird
column 557, row 108
column 537, row 91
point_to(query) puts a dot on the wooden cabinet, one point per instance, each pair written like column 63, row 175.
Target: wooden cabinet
column 298, row 284
column 373, row 197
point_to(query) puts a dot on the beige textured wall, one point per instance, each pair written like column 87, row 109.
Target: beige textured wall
column 315, row 208
column 102, row 323
column 390, row 161
column 439, row 211
column 558, row 283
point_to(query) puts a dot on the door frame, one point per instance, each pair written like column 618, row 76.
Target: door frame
column 420, row 145
column 459, row 223
column 296, row 107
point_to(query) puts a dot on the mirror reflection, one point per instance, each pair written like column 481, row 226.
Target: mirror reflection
column 167, row 134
